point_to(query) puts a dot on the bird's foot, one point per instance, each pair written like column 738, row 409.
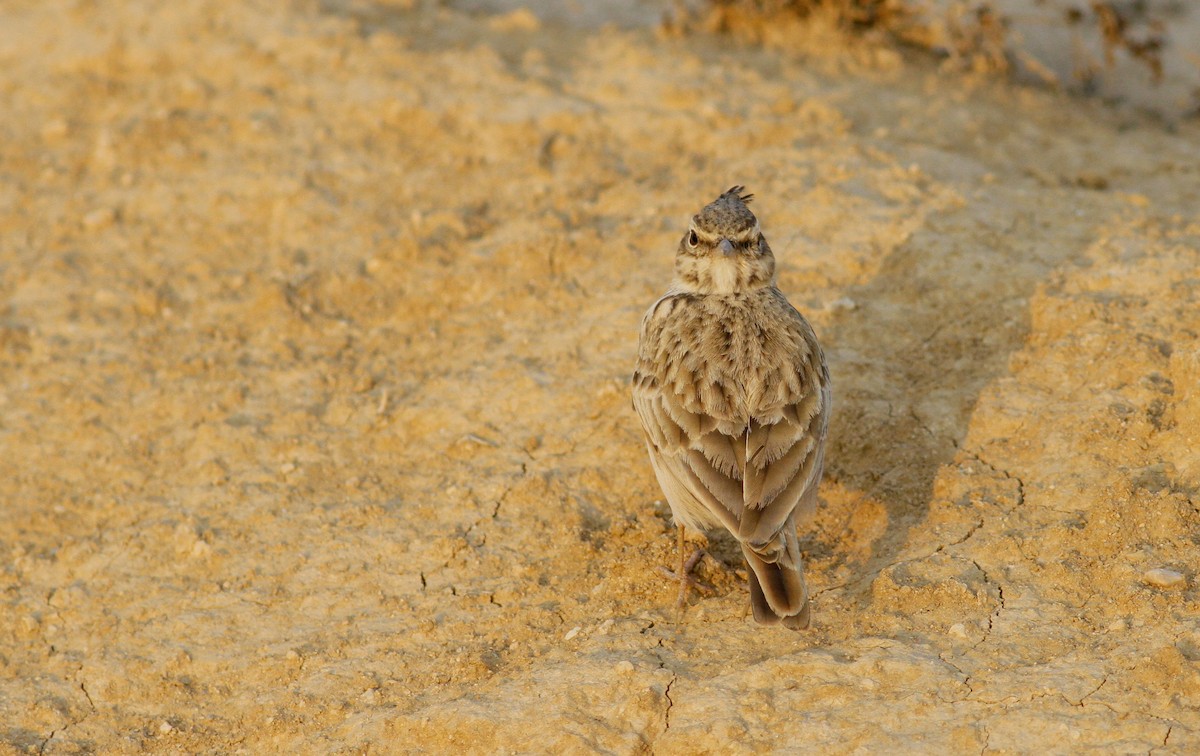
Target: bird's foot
column 687, row 581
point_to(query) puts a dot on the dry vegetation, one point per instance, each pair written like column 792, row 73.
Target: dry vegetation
column 968, row 34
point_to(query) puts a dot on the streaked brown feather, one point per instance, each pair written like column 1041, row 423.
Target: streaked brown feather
column 732, row 390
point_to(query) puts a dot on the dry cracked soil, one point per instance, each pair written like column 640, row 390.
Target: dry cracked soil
column 316, row 322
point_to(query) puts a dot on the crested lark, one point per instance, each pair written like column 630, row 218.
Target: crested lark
column 734, row 397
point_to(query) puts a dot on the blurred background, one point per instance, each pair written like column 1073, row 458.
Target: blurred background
column 1141, row 53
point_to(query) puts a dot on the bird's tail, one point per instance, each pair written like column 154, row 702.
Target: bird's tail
column 778, row 592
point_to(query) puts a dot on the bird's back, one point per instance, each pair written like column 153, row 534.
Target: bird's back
column 733, row 357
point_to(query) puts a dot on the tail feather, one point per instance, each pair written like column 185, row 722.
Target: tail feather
column 778, row 592
column 763, row 614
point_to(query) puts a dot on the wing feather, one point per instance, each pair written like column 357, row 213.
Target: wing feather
column 753, row 469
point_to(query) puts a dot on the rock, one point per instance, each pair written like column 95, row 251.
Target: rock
column 1163, row 578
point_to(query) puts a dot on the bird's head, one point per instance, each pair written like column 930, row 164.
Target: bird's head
column 723, row 251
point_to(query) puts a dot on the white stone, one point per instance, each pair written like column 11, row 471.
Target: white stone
column 1163, row 578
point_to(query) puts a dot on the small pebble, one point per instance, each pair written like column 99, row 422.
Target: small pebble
column 605, row 626
column 958, row 630
column 1164, row 578
column 572, row 632
column 624, row 667
column 843, row 303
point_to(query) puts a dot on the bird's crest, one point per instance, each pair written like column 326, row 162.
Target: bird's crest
column 727, row 216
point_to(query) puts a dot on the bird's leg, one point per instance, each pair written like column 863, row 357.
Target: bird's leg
column 684, row 574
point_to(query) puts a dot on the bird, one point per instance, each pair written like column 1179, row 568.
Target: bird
column 734, row 397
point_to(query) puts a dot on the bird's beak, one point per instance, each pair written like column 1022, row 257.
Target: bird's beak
column 726, row 247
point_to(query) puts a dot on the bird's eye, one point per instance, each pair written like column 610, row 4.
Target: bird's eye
column 693, row 240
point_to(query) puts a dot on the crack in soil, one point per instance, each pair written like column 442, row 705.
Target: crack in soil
column 1165, row 739
column 966, row 681
column 72, row 722
column 662, row 664
column 56, row 613
column 962, row 540
column 1007, row 475
column 1092, row 692
column 670, row 703
column 504, row 496
column 466, row 543
column 837, row 587
column 871, row 575
column 987, row 579
column 83, row 687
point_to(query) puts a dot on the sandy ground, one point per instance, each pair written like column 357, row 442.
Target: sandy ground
column 315, row 433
